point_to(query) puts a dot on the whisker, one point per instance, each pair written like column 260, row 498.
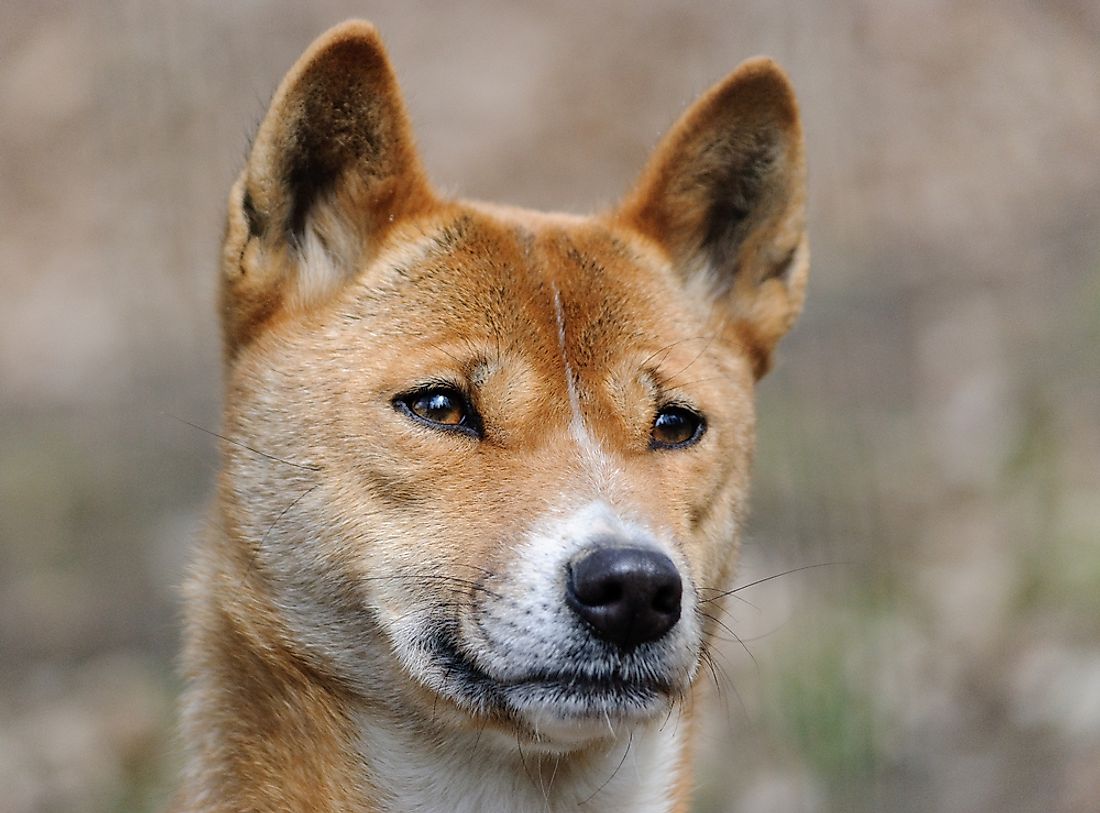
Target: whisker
column 212, row 433
column 436, row 577
column 523, row 762
column 671, row 708
column 614, row 773
column 727, row 707
column 486, row 571
column 480, row 731
column 712, row 656
column 769, row 578
column 668, row 347
column 698, row 356
column 452, row 357
column 708, row 662
column 553, row 774
column 283, row 513
column 725, row 593
column 736, row 637
column 428, row 606
column 701, row 380
column 443, row 688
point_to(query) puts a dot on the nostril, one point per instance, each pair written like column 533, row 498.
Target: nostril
column 667, row 599
column 594, row 586
column 607, row 592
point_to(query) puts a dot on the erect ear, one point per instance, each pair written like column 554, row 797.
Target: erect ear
column 332, row 168
column 724, row 194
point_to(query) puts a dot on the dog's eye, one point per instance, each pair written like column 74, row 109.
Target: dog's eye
column 441, row 407
column 675, row 427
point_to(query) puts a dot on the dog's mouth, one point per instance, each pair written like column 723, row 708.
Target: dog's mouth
column 558, row 694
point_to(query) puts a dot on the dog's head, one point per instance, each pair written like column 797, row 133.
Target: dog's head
column 485, row 463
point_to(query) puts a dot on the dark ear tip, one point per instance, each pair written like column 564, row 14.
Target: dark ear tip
column 761, row 65
column 315, row 99
column 337, row 119
column 361, row 32
column 759, row 87
column 351, row 43
column 353, row 46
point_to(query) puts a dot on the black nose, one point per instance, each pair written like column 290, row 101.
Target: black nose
column 627, row 595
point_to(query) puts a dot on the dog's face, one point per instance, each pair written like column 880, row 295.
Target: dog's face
column 486, row 464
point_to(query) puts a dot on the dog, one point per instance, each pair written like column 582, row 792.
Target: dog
column 483, row 468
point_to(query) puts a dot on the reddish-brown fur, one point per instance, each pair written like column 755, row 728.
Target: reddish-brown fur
column 346, row 279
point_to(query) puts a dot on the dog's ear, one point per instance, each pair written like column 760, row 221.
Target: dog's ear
column 724, row 195
column 332, row 168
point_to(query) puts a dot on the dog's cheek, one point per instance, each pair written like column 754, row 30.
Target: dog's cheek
column 708, row 495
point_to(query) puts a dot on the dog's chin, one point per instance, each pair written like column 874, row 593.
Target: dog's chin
column 551, row 711
column 569, row 712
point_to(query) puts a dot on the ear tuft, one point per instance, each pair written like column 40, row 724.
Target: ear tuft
column 724, row 195
column 332, row 168
column 338, row 115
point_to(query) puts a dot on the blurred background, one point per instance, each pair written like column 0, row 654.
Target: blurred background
column 932, row 427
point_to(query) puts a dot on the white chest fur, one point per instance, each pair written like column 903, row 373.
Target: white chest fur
column 418, row 773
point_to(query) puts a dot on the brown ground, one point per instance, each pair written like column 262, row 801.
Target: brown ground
column 935, row 419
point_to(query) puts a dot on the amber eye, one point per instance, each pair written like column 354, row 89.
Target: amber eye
column 675, row 427
column 440, row 407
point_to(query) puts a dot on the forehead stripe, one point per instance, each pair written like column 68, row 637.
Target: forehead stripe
column 597, row 462
column 570, row 377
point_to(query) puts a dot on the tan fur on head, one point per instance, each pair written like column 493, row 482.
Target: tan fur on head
column 384, row 615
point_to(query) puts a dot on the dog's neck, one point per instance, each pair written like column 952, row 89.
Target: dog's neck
column 638, row 771
column 274, row 736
